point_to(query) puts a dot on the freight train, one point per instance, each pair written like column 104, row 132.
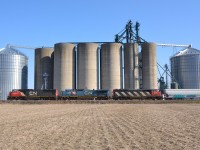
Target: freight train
column 117, row 94
column 82, row 94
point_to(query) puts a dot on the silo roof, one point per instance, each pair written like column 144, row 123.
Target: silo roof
column 11, row 51
column 187, row 51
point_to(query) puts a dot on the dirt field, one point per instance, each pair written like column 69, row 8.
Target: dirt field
column 100, row 126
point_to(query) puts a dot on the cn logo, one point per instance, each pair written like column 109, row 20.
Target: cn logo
column 32, row 93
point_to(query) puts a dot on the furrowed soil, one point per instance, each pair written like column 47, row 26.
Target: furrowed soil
column 100, row 126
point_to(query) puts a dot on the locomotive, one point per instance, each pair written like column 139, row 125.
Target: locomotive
column 30, row 94
column 83, row 94
column 123, row 94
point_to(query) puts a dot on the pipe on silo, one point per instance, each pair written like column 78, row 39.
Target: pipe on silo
column 87, row 66
column 131, row 74
column 149, row 66
column 111, row 74
column 43, row 64
column 64, row 66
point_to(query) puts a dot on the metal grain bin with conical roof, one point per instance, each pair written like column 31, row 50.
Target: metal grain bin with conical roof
column 13, row 71
column 111, row 63
column 131, row 73
column 43, row 66
column 64, row 66
column 185, row 68
column 87, row 70
column 149, row 66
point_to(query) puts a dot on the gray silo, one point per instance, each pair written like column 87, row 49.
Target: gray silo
column 149, row 66
column 64, row 66
column 185, row 68
column 111, row 63
column 13, row 71
column 131, row 72
column 87, row 62
column 43, row 66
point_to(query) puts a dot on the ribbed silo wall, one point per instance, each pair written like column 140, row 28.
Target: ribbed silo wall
column 87, row 62
column 64, row 66
column 43, row 64
column 149, row 66
column 131, row 72
column 13, row 73
column 111, row 63
column 185, row 71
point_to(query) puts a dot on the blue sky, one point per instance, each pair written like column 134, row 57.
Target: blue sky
column 38, row 23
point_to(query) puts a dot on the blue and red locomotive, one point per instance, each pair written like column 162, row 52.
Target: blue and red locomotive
column 83, row 94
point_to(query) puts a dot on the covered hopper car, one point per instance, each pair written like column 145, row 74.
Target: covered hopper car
column 182, row 93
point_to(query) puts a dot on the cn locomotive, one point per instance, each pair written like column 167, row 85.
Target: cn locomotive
column 123, row 94
column 83, row 94
column 30, row 94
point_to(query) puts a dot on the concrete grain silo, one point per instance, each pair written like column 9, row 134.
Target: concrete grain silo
column 131, row 74
column 13, row 71
column 149, row 66
column 43, row 66
column 87, row 70
column 64, row 66
column 111, row 74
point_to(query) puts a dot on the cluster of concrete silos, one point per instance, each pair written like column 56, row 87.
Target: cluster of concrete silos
column 95, row 66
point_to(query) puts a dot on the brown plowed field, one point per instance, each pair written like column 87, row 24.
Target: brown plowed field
column 100, row 126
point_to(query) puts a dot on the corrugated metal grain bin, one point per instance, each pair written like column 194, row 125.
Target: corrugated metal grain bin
column 185, row 68
column 13, row 71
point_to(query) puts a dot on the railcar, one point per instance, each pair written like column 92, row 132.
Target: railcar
column 182, row 93
column 70, row 94
column 101, row 94
column 124, row 94
column 30, row 94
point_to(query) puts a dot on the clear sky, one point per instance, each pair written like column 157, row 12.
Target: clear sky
column 38, row 23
